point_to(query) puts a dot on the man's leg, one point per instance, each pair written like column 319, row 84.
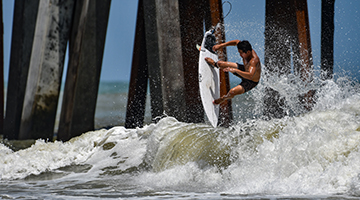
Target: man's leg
column 233, row 92
column 221, row 64
column 225, row 64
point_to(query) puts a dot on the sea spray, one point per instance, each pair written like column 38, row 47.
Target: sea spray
column 307, row 158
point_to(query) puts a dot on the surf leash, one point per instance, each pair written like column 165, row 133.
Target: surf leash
column 229, row 9
column 219, row 25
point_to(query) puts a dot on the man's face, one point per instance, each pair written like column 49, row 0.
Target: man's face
column 244, row 54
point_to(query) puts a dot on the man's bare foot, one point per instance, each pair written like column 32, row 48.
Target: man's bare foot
column 211, row 61
column 218, row 101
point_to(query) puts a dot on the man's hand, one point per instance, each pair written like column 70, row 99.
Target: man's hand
column 229, row 69
column 216, row 47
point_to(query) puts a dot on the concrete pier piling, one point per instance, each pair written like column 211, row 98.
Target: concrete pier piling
column 165, row 67
column 83, row 75
column 215, row 16
column 327, row 38
column 286, row 31
column 39, row 42
column 135, row 110
column 303, row 66
column 46, row 67
column 191, row 20
column 25, row 14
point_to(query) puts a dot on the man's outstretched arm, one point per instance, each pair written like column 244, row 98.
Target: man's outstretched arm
column 225, row 44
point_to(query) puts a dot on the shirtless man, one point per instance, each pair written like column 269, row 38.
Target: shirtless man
column 249, row 72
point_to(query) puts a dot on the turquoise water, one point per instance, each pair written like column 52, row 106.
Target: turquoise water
column 111, row 104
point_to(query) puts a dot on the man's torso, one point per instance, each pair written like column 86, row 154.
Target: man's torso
column 257, row 73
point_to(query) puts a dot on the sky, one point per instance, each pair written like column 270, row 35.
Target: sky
column 246, row 21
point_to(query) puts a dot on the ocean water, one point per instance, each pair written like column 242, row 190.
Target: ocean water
column 305, row 155
column 112, row 102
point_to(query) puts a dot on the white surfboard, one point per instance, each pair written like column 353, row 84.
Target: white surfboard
column 209, row 82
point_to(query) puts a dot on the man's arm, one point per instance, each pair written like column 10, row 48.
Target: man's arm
column 225, row 44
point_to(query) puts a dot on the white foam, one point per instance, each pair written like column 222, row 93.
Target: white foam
column 46, row 156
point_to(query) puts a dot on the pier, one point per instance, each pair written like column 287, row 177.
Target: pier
column 164, row 60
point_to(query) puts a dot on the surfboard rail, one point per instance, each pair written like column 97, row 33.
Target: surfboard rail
column 209, row 78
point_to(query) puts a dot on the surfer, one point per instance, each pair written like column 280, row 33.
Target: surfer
column 249, row 72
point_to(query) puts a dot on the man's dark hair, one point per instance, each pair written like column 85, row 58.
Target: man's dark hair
column 244, row 46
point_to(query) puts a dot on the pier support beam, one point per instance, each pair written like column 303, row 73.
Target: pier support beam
column 45, row 70
column 302, row 45
column 303, row 65
column 286, row 30
column 191, row 19
column 165, row 64
column 135, row 111
column 25, row 14
column 327, row 39
column 83, row 75
column 171, row 62
column 215, row 16
column 277, row 53
column 153, row 60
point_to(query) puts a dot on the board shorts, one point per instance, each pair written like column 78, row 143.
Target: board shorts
column 245, row 83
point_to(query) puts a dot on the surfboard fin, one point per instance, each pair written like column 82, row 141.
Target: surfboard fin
column 198, row 47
